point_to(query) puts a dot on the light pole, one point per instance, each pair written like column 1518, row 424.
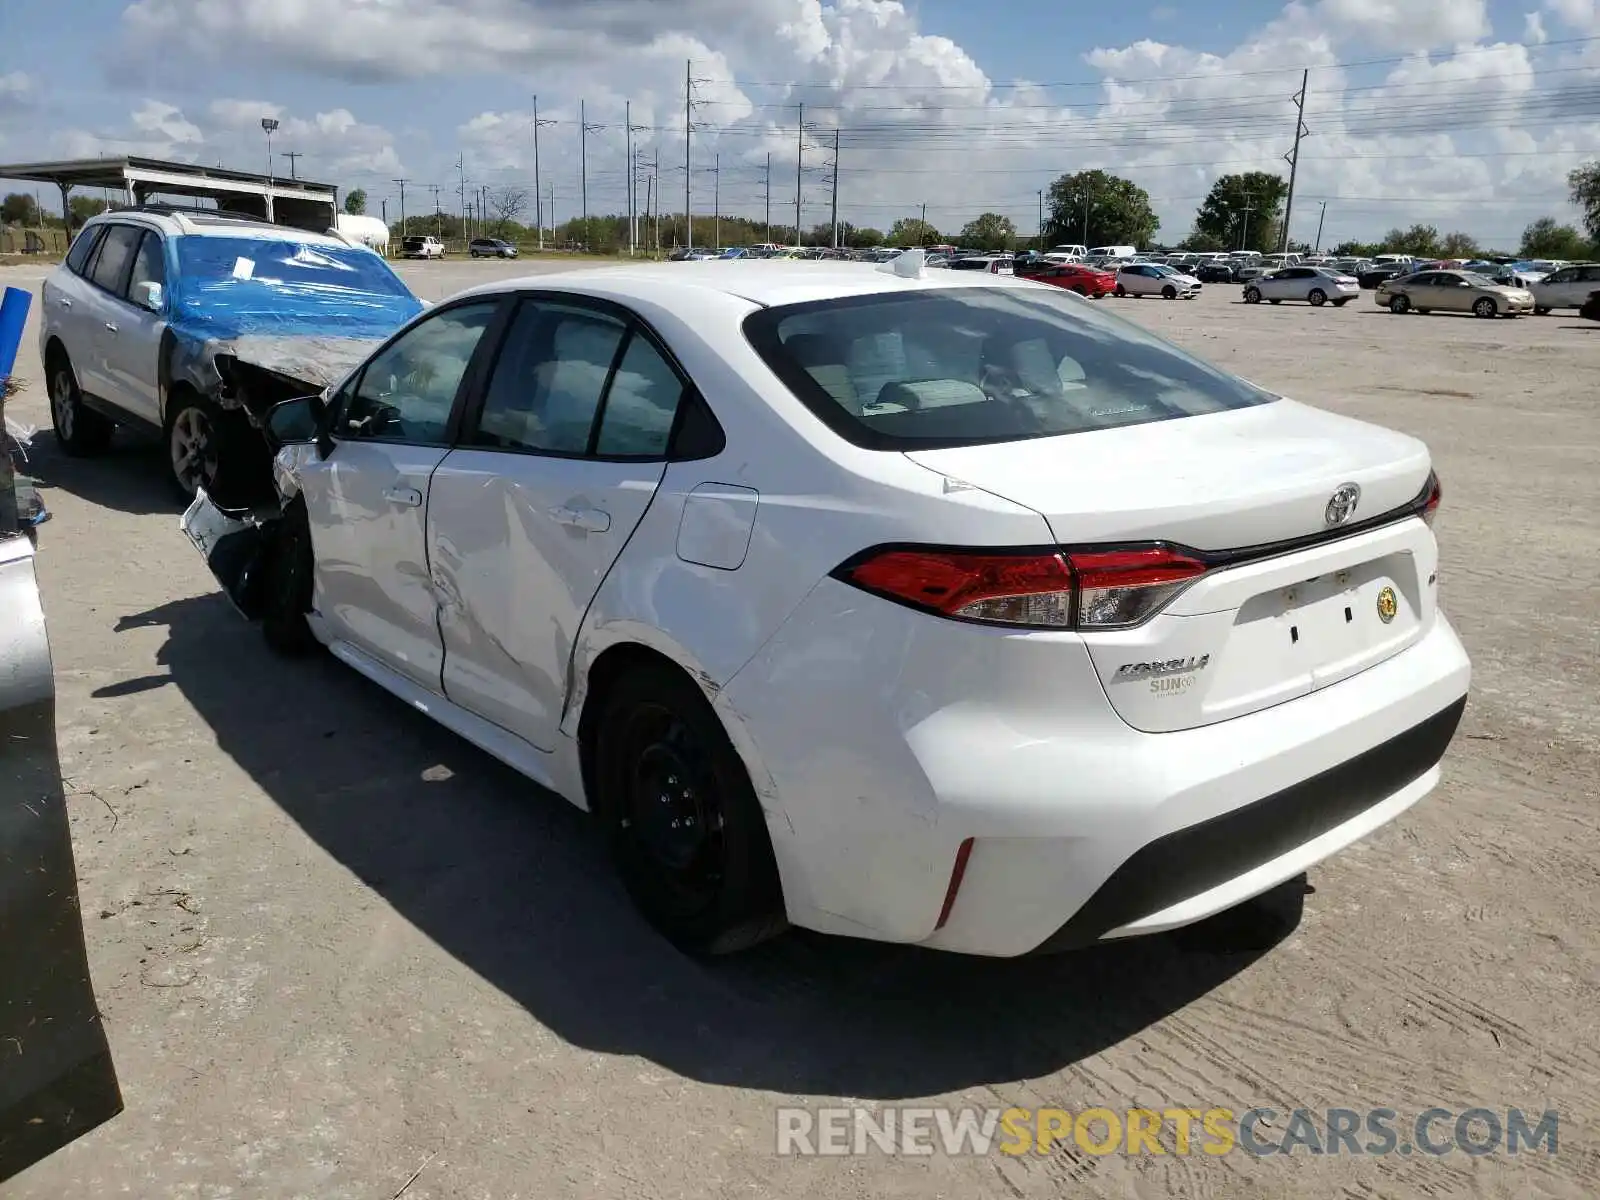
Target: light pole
column 268, row 124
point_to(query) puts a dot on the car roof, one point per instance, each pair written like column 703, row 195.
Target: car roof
column 766, row 282
column 205, row 223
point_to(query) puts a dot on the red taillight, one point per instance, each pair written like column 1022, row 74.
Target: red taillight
column 1431, row 498
column 1096, row 589
column 1119, row 588
column 1012, row 589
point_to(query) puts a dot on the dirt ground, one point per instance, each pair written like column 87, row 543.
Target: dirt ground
column 335, row 945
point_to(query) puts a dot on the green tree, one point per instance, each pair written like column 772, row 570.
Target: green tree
column 84, row 207
column 989, row 231
column 1458, row 245
column 1356, row 250
column 355, row 201
column 1585, row 185
column 913, row 231
column 1546, row 239
column 1116, row 211
column 1420, row 240
column 1244, row 212
column 19, row 208
column 862, row 239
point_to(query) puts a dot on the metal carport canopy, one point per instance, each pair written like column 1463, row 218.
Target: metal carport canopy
column 138, row 177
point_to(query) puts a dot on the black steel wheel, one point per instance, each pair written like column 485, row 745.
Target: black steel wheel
column 686, row 831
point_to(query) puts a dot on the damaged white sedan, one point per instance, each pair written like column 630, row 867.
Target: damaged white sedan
column 930, row 608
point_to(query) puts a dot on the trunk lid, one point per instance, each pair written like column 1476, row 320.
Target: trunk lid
column 1287, row 618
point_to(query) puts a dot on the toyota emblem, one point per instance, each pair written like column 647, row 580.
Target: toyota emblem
column 1342, row 504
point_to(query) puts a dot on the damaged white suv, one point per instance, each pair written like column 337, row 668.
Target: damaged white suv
column 182, row 323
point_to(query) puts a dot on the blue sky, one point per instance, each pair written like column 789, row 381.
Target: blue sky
column 1470, row 120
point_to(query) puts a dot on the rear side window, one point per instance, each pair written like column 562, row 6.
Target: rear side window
column 116, row 255
column 82, row 247
column 966, row 366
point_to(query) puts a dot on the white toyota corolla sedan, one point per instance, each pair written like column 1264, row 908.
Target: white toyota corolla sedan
column 934, row 608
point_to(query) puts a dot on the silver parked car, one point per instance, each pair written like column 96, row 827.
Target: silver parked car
column 1453, row 291
column 1566, row 287
column 1313, row 285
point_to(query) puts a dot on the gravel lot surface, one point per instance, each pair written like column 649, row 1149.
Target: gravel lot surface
column 334, row 944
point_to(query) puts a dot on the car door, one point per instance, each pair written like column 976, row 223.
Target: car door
column 133, row 335
column 108, row 276
column 367, row 500
column 57, row 1080
column 526, row 516
column 1450, row 292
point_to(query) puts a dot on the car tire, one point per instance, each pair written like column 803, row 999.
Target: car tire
column 1486, row 307
column 1252, row 295
column 1274, row 300
column 686, row 832
column 1121, row 291
column 79, row 430
column 287, row 568
column 1169, row 292
column 1318, row 297
column 195, row 429
column 1399, row 305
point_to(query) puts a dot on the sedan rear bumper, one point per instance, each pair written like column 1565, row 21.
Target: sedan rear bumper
column 881, row 740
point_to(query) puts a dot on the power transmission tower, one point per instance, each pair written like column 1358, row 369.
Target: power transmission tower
column 538, row 196
column 461, row 166
column 1293, row 157
column 402, row 184
column 769, row 199
column 291, row 155
column 688, row 141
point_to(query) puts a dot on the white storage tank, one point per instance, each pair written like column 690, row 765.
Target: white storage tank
column 369, row 231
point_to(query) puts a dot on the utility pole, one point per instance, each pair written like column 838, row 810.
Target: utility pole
column 769, row 199
column 291, row 155
column 649, row 197
column 1317, row 249
column 835, row 187
column 402, row 184
column 583, row 167
column 1039, row 245
column 438, row 215
column 716, row 197
column 688, row 169
column 538, row 195
column 1293, row 157
column 655, row 191
column 552, row 190
column 1087, row 193
column 1249, row 207
column 627, row 124
column 461, row 165
column 924, row 218
column 799, row 168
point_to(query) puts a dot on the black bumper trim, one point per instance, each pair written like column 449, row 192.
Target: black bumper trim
column 1195, row 859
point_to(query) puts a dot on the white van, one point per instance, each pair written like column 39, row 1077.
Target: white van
column 1074, row 251
column 1113, row 252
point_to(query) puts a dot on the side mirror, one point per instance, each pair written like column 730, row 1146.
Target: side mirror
column 148, row 296
column 297, row 420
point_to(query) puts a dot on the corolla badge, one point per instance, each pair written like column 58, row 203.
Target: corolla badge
column 1342, row 504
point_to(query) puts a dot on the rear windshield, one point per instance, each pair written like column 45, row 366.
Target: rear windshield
column 965, row 366
column 243, row 263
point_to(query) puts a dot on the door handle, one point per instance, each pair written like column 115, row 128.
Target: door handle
column 111, row 327
column 590, row 520
column 408, row 496
column 64, row 302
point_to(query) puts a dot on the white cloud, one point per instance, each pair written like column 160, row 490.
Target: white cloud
column 1533, row 29
column 1409, row 24
column 921, row 119
column 16, row 92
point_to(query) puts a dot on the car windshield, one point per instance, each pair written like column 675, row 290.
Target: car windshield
column 1476, row 279
column 206, row 263
column 966, row 366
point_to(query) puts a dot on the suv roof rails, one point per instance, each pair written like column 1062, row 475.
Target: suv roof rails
column 201, row 216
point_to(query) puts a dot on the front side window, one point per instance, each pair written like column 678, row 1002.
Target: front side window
column 117, row 249
column 549, row 379
column 966, row 366
column 407, row 391
column 149, row 265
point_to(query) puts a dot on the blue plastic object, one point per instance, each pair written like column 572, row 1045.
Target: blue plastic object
column 13, row 316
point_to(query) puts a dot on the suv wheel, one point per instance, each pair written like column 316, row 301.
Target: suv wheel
column 79, row 431
column 193, row 440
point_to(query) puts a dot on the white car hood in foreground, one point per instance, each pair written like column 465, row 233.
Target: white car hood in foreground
column 1217, row 482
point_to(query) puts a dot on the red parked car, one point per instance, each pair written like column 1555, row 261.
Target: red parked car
column 1086, row 281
